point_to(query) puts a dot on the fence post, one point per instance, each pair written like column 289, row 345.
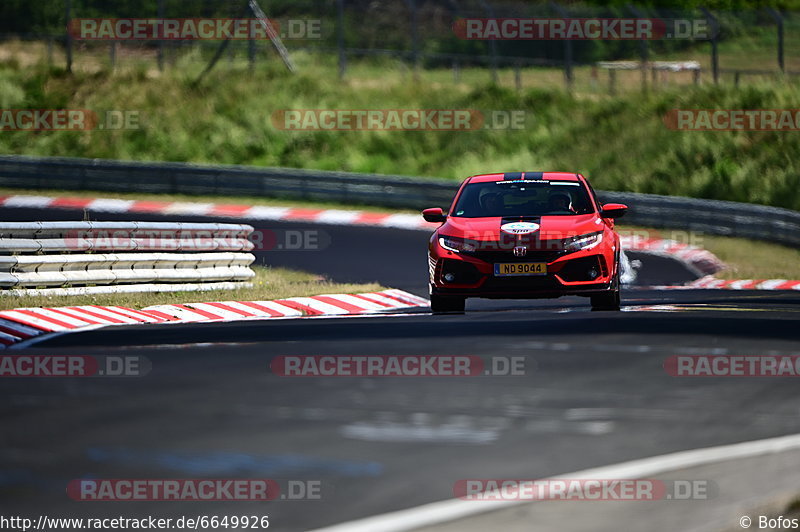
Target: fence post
column 736, row 76
column 779, row 21
column 68, row 14
column 49, row 50
column 161, row 41
column 456, row 72
column 612, row 81
column 714, row 42
column 112, row 52
column 568, row 78
column 251, row 54
column 340, row 38
column 644, row 51
column 412, row 6
column 517, row 77
column 492, row 43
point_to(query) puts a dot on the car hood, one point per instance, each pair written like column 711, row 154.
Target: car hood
column 550, row 227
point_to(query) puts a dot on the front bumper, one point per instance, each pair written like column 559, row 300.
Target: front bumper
column 567, row 274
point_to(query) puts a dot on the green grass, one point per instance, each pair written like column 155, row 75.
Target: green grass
column 747, row 259
column 268, row 284
column 621, row 142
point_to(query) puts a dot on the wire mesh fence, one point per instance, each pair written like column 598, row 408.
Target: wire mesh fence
column 422, row 39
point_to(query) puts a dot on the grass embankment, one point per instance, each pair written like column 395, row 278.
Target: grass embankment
column 268, row 284
column 621, row 142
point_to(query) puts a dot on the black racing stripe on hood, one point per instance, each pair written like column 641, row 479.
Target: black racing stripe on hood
column 510, row 219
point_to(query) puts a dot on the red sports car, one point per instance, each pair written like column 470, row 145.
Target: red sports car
column 524, row 235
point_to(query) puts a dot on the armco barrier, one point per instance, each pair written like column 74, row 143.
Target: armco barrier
column 179, row 178
column 75, row 254
column 727, row 218
column 709, row 216
column 32, row 237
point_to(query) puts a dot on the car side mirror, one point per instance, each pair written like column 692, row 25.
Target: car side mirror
column 613, row 210
column 434, row 215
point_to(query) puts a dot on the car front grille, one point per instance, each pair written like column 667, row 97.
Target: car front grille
column 495, row 256
column 520, row 284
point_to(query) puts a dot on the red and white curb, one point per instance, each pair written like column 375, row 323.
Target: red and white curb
column 700, row 260
column 712, row 283
column 290, row 214
column 25, row 323
column 745, row 284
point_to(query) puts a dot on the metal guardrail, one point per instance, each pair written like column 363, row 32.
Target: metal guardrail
column 22, row 265
column 714, row 217
column 180, row 178
column 672, row 212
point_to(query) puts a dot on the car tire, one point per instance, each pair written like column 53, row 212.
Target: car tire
column 442, row 304
column 609, row 300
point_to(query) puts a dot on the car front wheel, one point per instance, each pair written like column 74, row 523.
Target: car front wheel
column 440, row 304
column 608, row 300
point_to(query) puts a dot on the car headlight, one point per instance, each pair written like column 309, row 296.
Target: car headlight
column 456, row 245
column 589, row 241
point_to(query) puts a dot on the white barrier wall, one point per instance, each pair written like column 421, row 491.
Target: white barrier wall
column 82, row 254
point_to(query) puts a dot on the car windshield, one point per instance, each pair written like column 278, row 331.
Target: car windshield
column 523, row 198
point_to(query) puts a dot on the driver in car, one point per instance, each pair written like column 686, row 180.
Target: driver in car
column 560, row 202
column 493, row 204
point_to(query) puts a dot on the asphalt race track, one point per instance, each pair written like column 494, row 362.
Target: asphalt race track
column 594, row 392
